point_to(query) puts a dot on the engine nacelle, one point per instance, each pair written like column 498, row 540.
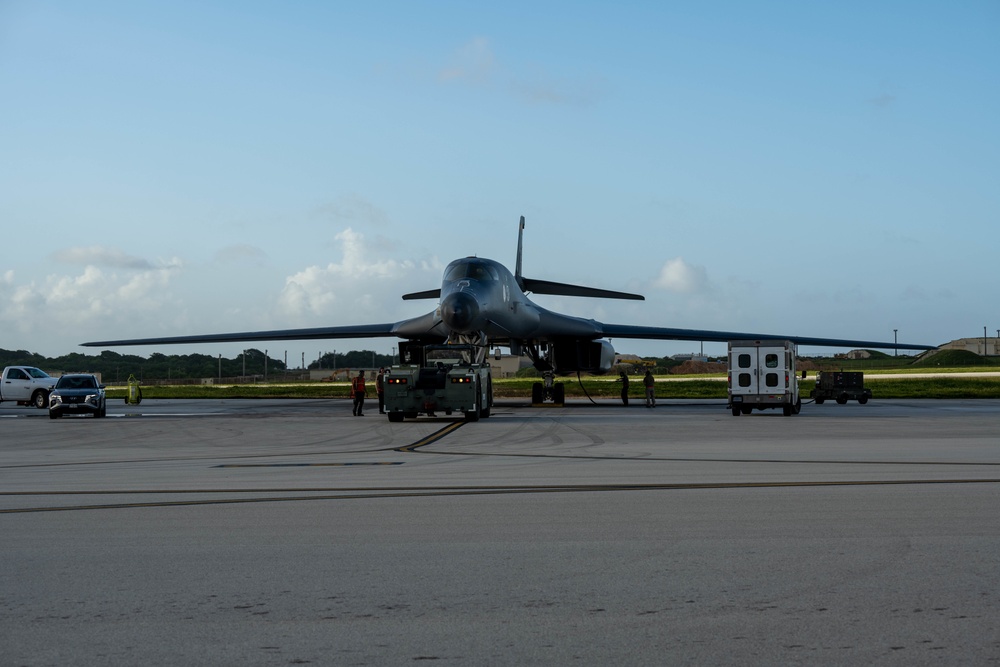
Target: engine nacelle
column 589, row 356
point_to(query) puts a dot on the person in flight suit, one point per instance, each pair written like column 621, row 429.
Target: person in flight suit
column 358, row 392
column 650, row 384
column 380, row 390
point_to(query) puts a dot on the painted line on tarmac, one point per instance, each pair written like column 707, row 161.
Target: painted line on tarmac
column 431, row 492
column 309, row 465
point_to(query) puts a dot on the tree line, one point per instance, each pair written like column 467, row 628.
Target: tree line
column 115, row 367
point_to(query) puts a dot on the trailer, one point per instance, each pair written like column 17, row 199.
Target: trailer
column 762, row 376
column 840, row 386
column 436, row 379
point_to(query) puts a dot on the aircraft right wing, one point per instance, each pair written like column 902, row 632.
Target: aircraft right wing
column 424, row 327
column 667, row 333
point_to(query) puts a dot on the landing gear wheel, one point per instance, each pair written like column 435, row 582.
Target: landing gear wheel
column 559, row 393
column 536, row 393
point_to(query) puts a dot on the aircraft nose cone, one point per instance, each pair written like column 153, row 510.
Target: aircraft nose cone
column 458, row 311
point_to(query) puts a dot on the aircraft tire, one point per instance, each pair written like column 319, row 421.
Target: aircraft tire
column 559, row 393
column 536, row 392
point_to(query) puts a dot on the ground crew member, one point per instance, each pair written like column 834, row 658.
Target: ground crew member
column 358, row 392
column 380, row 390
column 648, row 382
column 624, row 380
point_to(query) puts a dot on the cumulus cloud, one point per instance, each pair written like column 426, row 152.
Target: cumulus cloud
column 54, row 310
column 360, row 281
column 678, row 276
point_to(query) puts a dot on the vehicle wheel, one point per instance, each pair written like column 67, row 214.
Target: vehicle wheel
column 786, row 409
column 536, row 392
column 40, row 399
column 819, row 401
column 863, row 400
column 410, row 415
column 746, row 409
column 473, row 414
column 484, row 412
column 736, row 412
column 797, row 408
column 559, row 393
column 842, row 399
column 54, row 415
column 395, row 416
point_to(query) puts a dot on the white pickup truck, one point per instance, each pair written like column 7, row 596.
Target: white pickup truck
column 26, row 385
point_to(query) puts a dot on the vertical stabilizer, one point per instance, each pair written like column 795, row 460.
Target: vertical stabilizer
column 517, row 264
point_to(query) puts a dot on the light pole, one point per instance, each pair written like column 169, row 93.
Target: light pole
column 895, row 341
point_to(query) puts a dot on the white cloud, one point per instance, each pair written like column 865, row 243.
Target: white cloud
column 682, row 278
column 363, row 281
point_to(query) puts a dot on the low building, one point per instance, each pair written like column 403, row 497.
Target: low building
column 984, row 346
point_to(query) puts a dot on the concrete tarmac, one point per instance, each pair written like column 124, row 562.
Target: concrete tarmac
column 270, row 532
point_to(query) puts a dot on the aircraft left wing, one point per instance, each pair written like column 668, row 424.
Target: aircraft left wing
column 667, row 333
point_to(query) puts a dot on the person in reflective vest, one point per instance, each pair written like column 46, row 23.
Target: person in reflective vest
column 358, row 392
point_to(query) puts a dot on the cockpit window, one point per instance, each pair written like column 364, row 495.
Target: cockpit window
column 471, row 270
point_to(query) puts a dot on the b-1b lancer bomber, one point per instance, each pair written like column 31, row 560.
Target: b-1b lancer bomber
column 480, row 302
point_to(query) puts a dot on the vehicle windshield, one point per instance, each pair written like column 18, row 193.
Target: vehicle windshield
column 471, row 269
column 76, row 382
column 37, row 373
column 448, row 357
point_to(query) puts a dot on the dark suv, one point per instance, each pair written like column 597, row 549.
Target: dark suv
column 78, row 394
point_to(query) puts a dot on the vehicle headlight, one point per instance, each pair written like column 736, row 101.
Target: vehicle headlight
column 55, row 399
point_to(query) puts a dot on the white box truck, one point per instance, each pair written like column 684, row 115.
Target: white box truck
column 762, row 376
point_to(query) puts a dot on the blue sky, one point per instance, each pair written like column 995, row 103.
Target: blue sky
column 187, row 167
